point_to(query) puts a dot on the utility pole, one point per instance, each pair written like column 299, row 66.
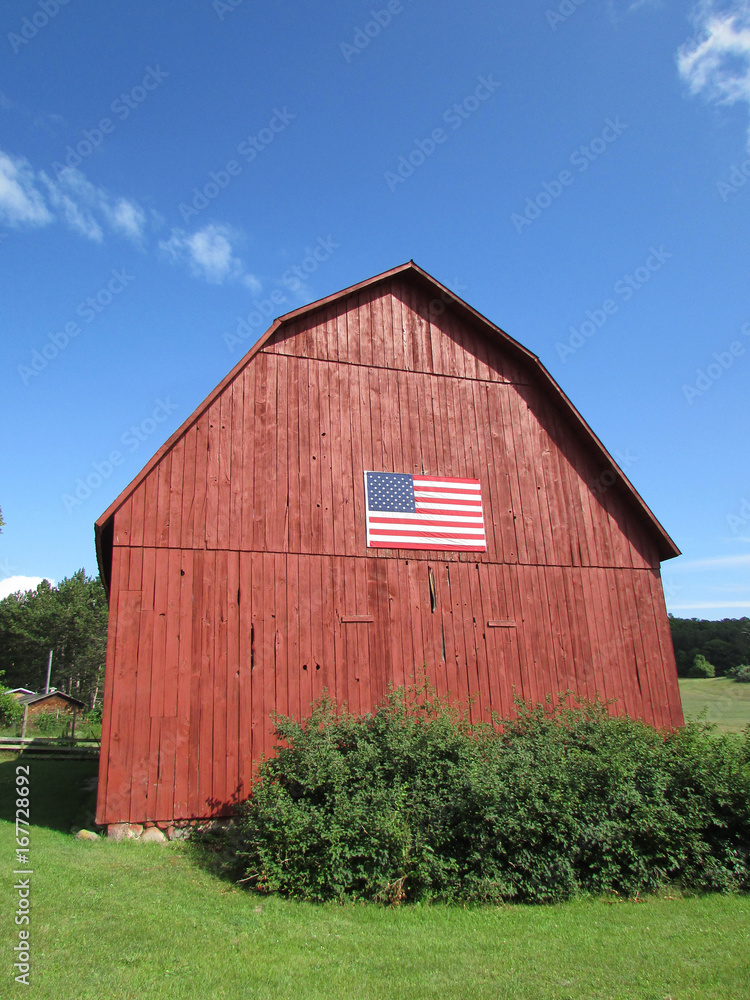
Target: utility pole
column 49, row 671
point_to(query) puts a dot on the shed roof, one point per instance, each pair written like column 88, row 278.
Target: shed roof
column 33, row 699
column 410, row 271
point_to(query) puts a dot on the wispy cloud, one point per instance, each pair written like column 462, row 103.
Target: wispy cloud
column 716, row 65
column 709, row 604
column 715, row 562
column 21, row 203
column 210, row 254
column 89, row 209
column 30, row 198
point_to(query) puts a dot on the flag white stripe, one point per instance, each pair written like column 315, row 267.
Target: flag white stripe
column 436, row 527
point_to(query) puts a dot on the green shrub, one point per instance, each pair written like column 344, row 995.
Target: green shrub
column 740, row 673
column 701, row 667
column 10, row 710
column 45, row 723
column 94, row 717
column 413, row 803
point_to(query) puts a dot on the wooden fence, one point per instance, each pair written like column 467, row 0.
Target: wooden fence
column 52, row 748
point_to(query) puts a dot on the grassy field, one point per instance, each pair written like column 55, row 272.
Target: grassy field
column 726, row 703
column 135, row 920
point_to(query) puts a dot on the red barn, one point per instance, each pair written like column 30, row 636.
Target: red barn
column 246, row 568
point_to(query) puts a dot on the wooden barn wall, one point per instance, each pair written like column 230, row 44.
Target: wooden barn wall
column 240, row 556
column 217, row 640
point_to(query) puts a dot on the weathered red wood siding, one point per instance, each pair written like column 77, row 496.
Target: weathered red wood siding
column 239, row 556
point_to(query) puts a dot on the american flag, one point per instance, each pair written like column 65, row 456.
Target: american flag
column 423, row 512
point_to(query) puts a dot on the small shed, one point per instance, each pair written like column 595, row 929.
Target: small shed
column 55, row 701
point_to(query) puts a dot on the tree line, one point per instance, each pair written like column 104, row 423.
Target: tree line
column 69, row 619
column 725, row 643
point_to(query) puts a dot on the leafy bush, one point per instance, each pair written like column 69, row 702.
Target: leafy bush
column 10, row 711
column 46, row 723
column 701, row 667
column 413, row 803
column 740, row 673
column 95, row 715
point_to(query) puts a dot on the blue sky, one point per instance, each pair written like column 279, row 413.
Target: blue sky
column 578, row 172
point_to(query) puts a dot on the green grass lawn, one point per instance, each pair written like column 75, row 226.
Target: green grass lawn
column 726, row 702
column 143, row 921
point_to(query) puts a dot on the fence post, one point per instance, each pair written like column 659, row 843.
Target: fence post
column 23, row 724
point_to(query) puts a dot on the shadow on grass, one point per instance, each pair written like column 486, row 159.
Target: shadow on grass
column 214, row 852
column 61, row 793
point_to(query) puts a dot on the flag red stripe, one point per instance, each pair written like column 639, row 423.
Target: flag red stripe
column 424, row 534
column 405, row 545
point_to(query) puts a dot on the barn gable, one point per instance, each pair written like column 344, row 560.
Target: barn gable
column 240, row 578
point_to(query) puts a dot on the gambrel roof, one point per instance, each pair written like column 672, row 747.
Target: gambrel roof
column 406, row 272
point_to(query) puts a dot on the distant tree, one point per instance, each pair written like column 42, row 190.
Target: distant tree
column 71, row 620
column 10, row 710
column 724, row 643
column 2, row 523
column 701, row 667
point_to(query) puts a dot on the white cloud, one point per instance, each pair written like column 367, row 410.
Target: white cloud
column 210, row 254
column 21, row 203
column 251, row 282
column 12, row 584
column 709, row 604
column 31, row 198
column 716, row 64
column 128, row 218
column 715, row 562
column 87, row 208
